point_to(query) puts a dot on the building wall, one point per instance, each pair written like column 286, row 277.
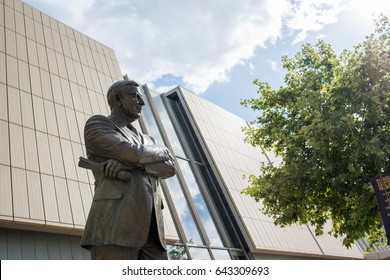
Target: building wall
column 35, row 245
column 221, row 131
column 52, row 78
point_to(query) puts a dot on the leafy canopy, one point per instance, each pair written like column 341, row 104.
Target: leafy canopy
column 330, row 125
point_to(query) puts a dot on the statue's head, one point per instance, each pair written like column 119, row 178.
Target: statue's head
column 125, row 97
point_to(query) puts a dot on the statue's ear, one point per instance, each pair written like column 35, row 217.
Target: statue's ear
column 118, row 101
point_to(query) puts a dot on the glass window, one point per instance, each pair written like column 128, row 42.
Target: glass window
column 224, row 215
column 238, row 255
column 189, row 191
column 180, row 203
column 200, row 204
column 150, row 122
column 188, row 135
column 221, row 254
column 170, row 130
column 184, row 212
column 199, row 253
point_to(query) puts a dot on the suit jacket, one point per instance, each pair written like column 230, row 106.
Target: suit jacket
column 121, row 212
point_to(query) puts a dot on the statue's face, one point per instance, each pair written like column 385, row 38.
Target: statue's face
column 132, row 102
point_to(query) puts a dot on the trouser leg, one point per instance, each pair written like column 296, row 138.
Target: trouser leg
column 153, row 250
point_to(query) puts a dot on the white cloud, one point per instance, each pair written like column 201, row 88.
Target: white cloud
column 274, row 65
column 312, row 15
column 251, row 67
column 198, row 41
column 72, row 10
column 367, row 10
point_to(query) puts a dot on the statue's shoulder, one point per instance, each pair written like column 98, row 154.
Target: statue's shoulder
column 98, row 121
column 97, row 118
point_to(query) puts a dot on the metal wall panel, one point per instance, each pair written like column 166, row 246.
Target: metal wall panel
column 44, row 157
column 57, row 41
column 14, row 115
column 69, row 159
column 49, row 198
column 9, row 16
column 30, row 30
column 65, row 87
column 76, row 204
column 16, row 146
column 39, row 114
column 12, row 67
column 19, row 194
column 63, row 201
column 56, row 156
column 2, row 15
column 49, row 42
column 4, row 140
column 37, row 15
column 50, row 117
column 61, row 119
column 61, row 65
column 3, row 101
column 32, row 55
column 56, row 89
column 31, row 245
column 42, row 57
column 72, row 124
column 3, row 73
column 19, row 22
column 85, row 100
column 35, row 200
column 6, row 211
column 46, row 85
column 27, row 109
column 51, row 58
column 21, row 47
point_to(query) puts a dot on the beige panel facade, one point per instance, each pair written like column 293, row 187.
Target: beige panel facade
column 52, row 78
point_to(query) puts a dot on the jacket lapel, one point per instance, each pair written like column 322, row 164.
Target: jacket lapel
column 130, row 135
column 125, row 130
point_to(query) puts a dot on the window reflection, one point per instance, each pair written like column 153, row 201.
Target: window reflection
column 185, row 215
column 224, row 215
column 238, row 255
column 221, row 254
column 180, row 203
column 150, row 122
column 188, row 135
column 177, row 252
column 199, row 253
column 197, row 211
column 200, row 204
column 170, row 130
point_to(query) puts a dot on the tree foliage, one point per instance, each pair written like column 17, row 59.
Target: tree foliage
column 330, row 125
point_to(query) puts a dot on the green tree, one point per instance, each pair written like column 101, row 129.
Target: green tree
column 177, row 252
column 330, row 125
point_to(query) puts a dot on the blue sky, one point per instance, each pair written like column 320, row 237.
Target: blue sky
column 215, row 48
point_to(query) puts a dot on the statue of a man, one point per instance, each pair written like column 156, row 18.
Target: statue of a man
column 125, row 220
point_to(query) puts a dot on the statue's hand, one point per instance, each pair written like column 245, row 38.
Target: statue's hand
column 111, row 168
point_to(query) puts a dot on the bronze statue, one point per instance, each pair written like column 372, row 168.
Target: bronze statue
column 125, row 220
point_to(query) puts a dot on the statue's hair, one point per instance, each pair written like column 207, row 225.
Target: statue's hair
column 119, row 87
